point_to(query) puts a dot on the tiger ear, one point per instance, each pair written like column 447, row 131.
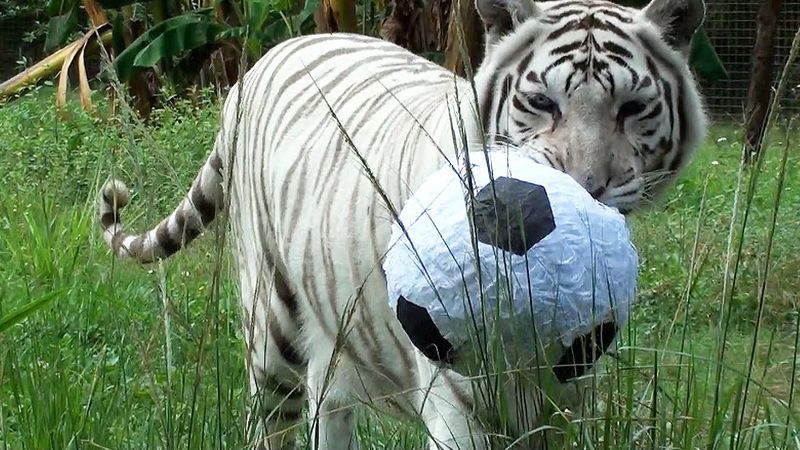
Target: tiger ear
column 500, row 17
column 678, row 20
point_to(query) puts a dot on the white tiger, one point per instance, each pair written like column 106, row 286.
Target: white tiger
column 599, row 91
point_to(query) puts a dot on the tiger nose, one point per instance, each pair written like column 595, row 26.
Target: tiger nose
column 595, row 189
column 598, row 192
column 596, row 184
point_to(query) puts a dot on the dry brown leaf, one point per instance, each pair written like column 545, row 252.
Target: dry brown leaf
column 84, row 91
column 63, row 78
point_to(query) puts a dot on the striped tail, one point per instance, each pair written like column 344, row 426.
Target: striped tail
column 197, row 210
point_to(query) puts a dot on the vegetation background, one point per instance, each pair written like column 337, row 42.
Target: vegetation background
column 100, row 354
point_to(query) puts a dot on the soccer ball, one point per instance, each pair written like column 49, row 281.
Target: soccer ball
column 501, row 243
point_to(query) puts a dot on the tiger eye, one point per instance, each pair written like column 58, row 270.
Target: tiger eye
column 630, row 108
column 542, row 102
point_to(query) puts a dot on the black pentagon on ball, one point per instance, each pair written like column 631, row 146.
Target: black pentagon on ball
column 584, row 352
column 512, row 215
column 424, row 334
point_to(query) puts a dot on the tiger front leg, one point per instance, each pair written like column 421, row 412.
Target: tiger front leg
column 447, row 408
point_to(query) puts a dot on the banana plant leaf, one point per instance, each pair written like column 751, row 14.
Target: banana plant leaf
column 277, row 29
column 59, row 28
column 190, row 31
column 177, row 41
column 118, row 34
column 57, row 7
column 304, row 21
column 257, row 12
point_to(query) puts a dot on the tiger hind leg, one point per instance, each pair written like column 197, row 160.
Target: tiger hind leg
column 275, row 366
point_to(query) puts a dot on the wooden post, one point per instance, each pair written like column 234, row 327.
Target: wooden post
column 763, row 60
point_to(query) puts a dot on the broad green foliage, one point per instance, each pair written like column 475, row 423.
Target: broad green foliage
column 62, row 24
column 255, row 24
column 264, row 26
column 152, row 42
column 177, row 41
column 259, row 25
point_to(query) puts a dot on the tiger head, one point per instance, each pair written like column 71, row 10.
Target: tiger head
column 600, row 91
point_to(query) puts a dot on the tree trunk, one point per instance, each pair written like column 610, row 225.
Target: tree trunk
column 420, row 28
column 95, row 12
column 758, row 94
column 463, row 56
column 336, row 16
column 141, row 90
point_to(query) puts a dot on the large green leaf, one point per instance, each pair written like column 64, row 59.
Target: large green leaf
column 124, row 64
column 177, row 41
column 53, row 7
column 19, row 314
column 118, row 33
column 256, row 12
column 58, row 7
column 276, row 28
column 304, row 21
column 60, row 28
column 704, row 58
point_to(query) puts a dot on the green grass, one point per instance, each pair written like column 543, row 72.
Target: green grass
column 92, row 369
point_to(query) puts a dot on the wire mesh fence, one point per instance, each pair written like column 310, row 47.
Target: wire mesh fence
column 731, row 25
column 19, row 46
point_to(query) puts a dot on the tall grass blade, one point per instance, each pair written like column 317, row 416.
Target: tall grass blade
column 19, row 314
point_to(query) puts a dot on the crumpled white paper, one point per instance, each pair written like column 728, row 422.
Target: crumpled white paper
column 580, row 275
